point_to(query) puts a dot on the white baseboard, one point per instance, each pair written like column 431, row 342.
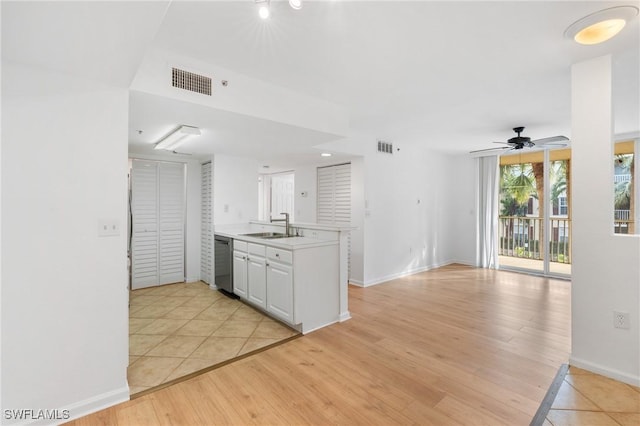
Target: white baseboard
column 344, row 316
column 605, row 371
column 311, row 330
column 356, row 282
column 405, row 273
column 463, row 262
column 192, row 279
column 97, row 403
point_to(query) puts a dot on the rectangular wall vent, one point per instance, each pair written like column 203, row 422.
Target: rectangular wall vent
column 190, row 81
column 385, row 147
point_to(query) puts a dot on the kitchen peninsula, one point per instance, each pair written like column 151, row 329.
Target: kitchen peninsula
column 301, row 279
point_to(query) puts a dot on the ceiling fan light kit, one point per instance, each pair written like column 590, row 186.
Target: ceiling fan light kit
column 177, row 138
column 600, row 26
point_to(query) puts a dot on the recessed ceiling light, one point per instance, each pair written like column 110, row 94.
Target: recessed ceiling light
column 295, row 4
column 601, row 26
column 263, row 8
column 325, row 154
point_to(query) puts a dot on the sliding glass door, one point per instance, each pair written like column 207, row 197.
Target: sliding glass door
column 534, row 223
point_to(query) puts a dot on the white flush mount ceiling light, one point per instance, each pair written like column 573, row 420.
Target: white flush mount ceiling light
column 601, row 26
column 177, row 137
column 325, row 154
column 263, row 8
column 295, row 4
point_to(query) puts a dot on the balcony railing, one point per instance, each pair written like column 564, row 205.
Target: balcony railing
column 622, row 178
column 623, row 222
column 522, row 237
column 621, row 214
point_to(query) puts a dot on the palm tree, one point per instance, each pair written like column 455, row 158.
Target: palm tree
column 517, row 181
column 516, row 186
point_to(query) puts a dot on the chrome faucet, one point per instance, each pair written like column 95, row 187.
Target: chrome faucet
column 286, row 223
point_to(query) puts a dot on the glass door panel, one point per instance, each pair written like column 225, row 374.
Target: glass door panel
column 520, row 223
column 535, row 212
column 559, row 221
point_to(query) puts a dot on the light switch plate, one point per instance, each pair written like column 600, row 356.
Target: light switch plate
column 108, row 228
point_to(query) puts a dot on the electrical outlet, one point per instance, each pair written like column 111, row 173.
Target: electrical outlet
column 621, row 320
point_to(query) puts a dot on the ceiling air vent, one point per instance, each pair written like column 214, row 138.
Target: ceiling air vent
column 190, row 81
column 385, row 147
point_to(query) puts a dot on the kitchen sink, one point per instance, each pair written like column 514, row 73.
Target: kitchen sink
column 266, row 235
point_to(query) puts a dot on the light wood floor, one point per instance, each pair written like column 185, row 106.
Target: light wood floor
column 455, row 345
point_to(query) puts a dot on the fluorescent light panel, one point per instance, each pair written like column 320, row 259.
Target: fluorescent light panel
column 177, row 137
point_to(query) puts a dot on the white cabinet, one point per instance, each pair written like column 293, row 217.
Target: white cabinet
column 250, row 272
column 240, row 273
column 280, row 290
column 264, row 277
column 257, row 279
column 299, row 286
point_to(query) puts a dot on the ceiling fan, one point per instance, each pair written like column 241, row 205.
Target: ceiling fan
column 519, row 142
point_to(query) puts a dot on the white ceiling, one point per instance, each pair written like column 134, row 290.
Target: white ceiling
column 276, row 145
column 452, row 76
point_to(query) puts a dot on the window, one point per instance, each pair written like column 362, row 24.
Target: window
column 624, row 188
column 563, row 207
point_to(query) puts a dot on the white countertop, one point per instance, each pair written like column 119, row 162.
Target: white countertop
column 317, row 226
column 289, row 243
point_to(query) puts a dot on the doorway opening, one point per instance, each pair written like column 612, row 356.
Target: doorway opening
column 276, row 195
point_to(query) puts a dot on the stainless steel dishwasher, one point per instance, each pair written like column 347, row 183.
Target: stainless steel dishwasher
column 223, row 255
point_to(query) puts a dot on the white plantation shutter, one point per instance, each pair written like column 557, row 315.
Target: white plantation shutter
column 171, row 208
column 157, row 204
column 144, row 207
column 334, row 198
column 206, row 239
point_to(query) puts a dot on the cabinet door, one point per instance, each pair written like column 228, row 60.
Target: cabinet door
column 280, row 291
column 257, row 279
column 240, row 274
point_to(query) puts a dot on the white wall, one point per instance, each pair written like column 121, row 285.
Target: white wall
column 235, row 189
column 244, row 95
column 64, row 288
column 606, row 267
column 407, row 228
column 400, row 235
column 306, row 179
column 193, row 219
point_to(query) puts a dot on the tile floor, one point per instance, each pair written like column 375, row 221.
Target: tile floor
column 178, row 329
column 585, row 398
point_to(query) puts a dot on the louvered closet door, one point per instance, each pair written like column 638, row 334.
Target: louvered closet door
column 334, row 198
column 171, row 208
column 144, row 208
column 206, row 239
column 157, row 206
